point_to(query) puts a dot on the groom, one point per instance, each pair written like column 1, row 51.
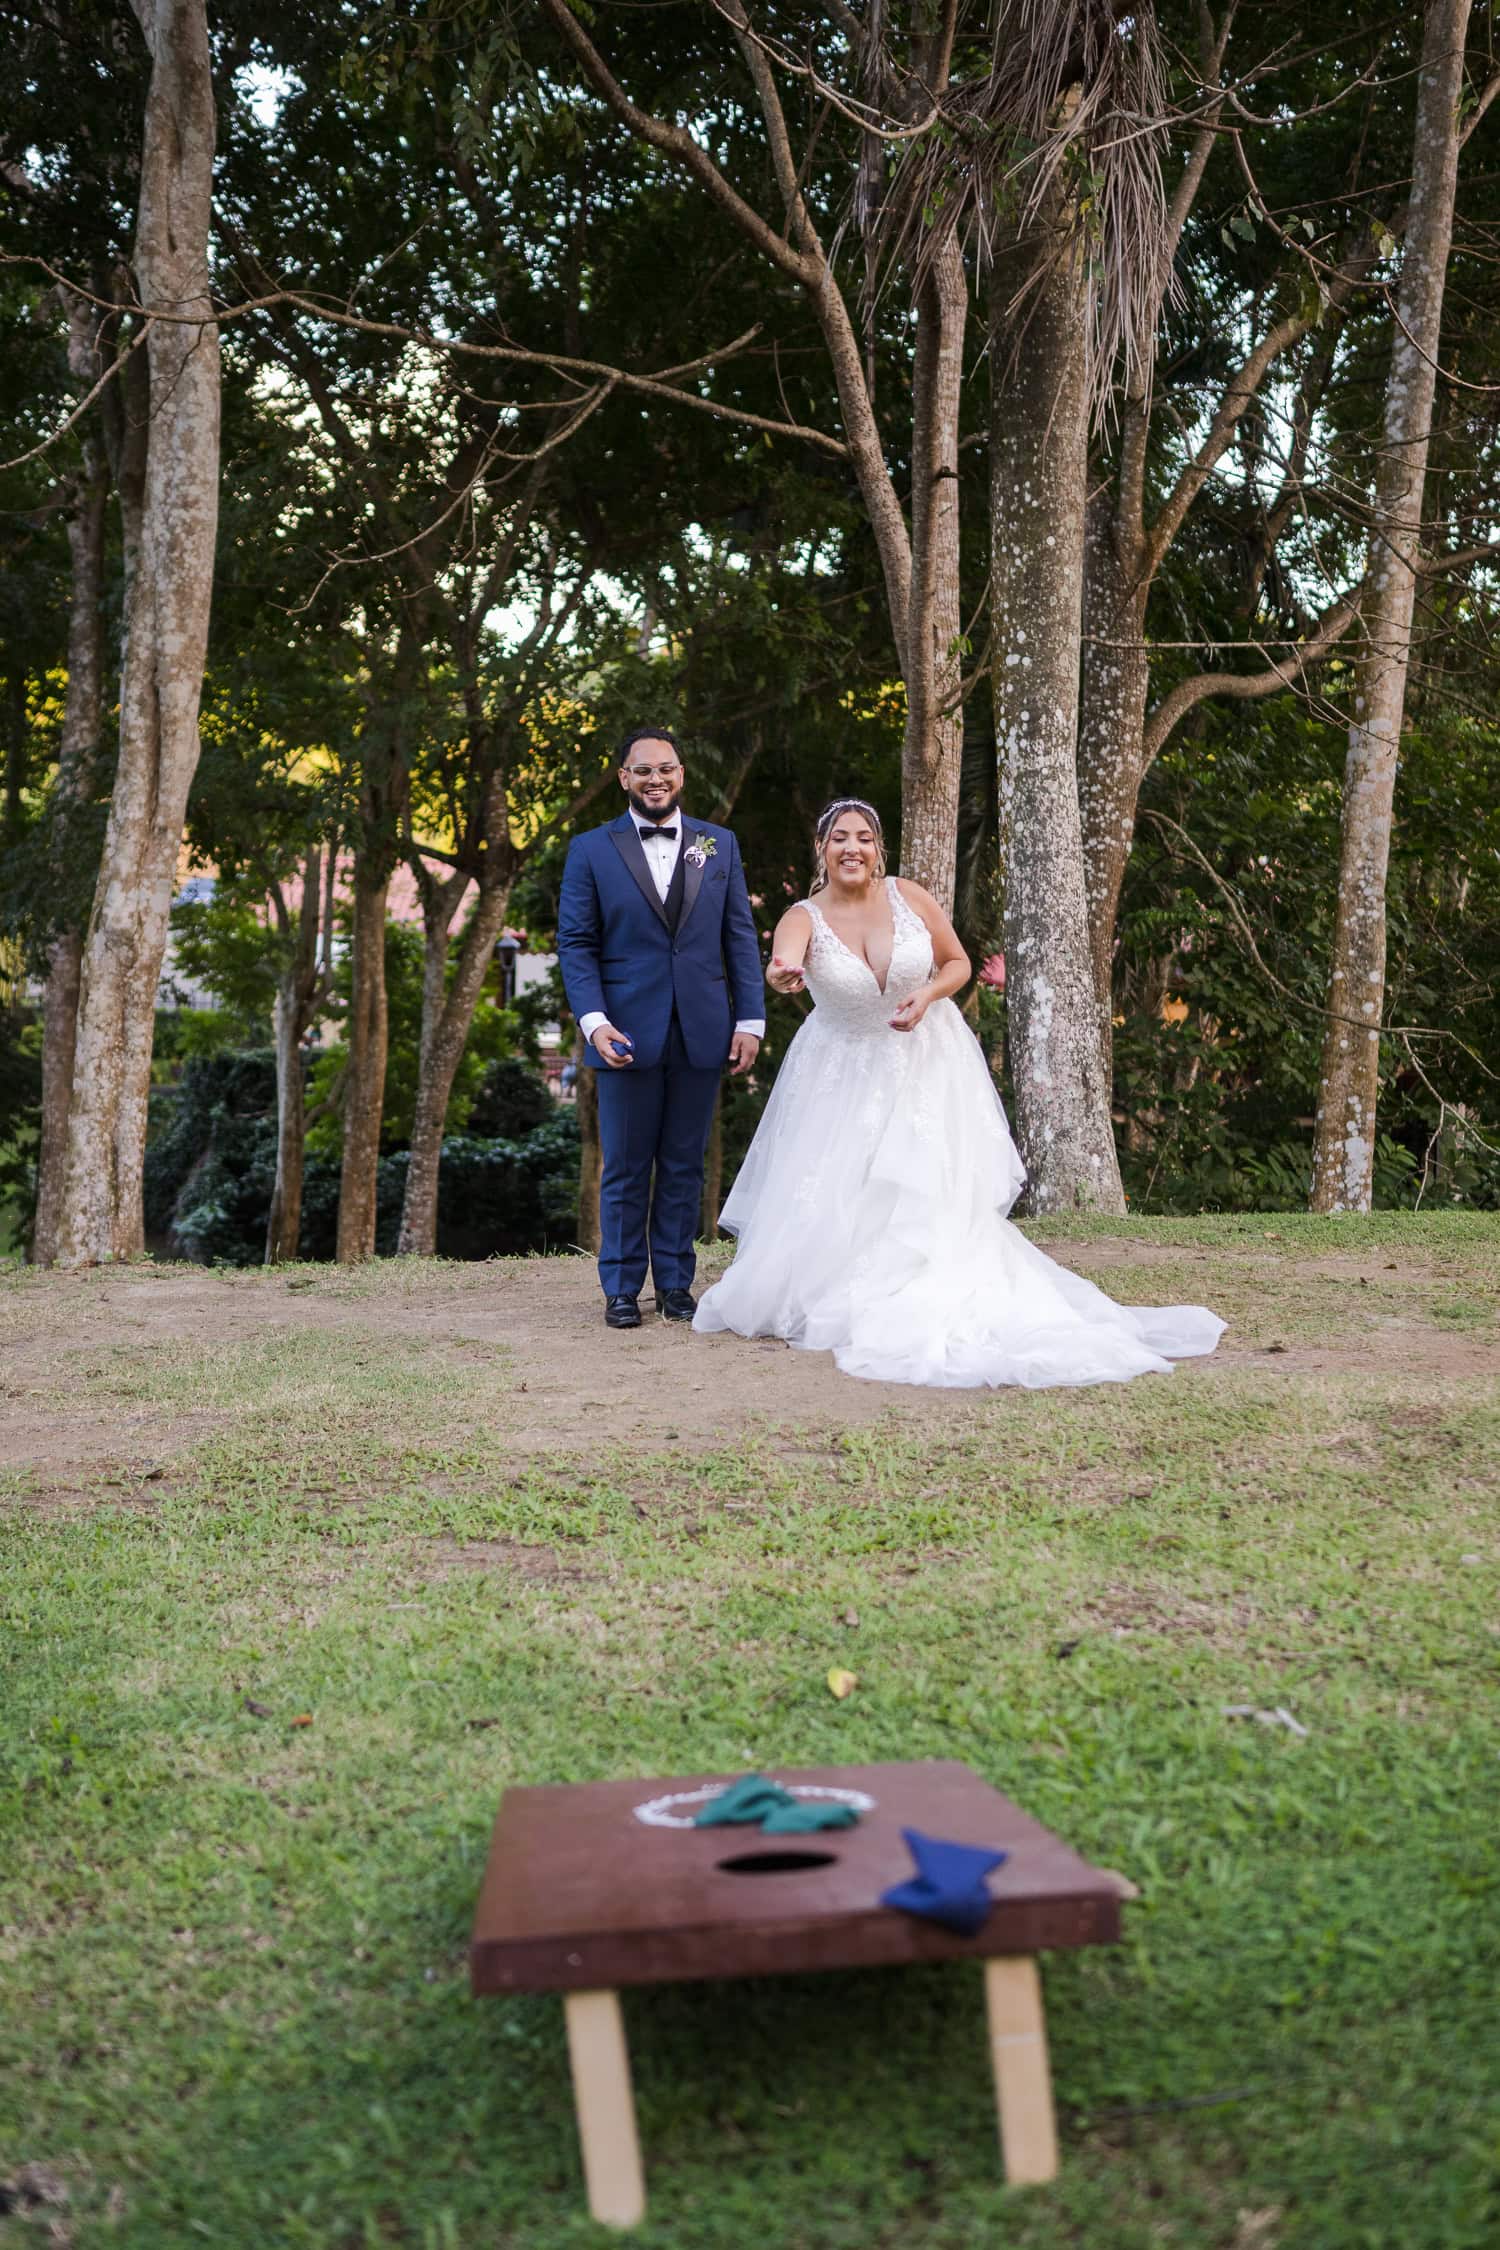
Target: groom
column 654, row 918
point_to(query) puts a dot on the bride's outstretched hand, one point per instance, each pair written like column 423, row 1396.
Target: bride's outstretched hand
column 784, row 977
column 911, row 1012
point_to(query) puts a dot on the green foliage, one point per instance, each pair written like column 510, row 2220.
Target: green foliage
column 48, row 870
column 498, row 1198
column 206, row 1158
column 492, row 1037
column 725, row 580
column 228, row 945
column 1215, row 1109
column 20, row 1120
column 511, row 1100
column 211, row 1168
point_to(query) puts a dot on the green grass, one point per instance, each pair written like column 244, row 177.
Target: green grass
column 232, row 1967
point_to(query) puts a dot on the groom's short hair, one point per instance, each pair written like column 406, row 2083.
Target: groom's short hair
column 648, row 734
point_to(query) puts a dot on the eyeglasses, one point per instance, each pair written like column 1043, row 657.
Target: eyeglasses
column 662, row 773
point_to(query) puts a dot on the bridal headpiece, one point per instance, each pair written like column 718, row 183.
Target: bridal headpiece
column 825, row 821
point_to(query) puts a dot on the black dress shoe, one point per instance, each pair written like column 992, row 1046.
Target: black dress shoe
column 621, row 1312
column 675, row 1304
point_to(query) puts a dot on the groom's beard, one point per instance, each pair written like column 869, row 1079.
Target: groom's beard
column 656, row 814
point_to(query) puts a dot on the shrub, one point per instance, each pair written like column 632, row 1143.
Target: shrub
column 211, row 1168
column 512, row 1100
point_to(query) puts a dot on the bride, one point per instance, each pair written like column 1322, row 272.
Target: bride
column 870, row 1209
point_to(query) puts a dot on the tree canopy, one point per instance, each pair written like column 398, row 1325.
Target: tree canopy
column 536, row 423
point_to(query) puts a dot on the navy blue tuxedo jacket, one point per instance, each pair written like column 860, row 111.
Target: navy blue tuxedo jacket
column 619, row 955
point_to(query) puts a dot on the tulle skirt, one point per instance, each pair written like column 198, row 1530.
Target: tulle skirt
column 870, row 1216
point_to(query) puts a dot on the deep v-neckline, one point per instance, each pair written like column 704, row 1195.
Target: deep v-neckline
column 863, row 959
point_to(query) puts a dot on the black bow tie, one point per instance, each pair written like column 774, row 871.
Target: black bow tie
column 669, row 833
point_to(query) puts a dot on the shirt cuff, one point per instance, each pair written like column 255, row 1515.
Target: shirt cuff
column 590, row 1023
column 754, row 1025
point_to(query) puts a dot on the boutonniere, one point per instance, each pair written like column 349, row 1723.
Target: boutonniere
column 701, row 848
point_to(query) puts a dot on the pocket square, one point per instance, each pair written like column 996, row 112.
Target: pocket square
column 949, row 1885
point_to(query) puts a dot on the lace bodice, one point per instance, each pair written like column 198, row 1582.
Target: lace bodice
column 843, row 984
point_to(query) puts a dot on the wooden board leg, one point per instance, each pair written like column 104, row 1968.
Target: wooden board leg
column 1023, row 2076
column 605, row 2108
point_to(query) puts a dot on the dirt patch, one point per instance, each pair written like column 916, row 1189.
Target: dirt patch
column 498, row 1558
column 520, row 1350
column 572, row 1386
column 1395, row 1347
column 1122, row 1611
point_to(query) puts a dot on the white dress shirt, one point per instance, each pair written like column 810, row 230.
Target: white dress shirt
column 661, row 853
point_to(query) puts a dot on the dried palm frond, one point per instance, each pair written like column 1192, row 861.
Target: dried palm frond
column 1057, row 148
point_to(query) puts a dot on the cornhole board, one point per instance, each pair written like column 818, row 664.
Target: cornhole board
column 596, row 1885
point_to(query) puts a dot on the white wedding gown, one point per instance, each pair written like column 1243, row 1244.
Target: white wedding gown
column 870, row 1209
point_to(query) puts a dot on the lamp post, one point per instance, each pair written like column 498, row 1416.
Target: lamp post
column 507, row 946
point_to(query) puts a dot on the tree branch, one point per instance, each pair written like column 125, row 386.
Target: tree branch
column 674, row 141
column 1237, row 394
column 1242, row 686
column 1457, row 558
column 1483, row 103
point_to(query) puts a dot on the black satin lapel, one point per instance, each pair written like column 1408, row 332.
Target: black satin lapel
column 692, row 876
column 625, row 837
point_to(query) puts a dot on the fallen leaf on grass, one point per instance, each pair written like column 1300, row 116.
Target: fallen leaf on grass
column 851, row 1615
column 303, row 1719
column 1066, row 1648
column 258, row 1710
column 842, row 1683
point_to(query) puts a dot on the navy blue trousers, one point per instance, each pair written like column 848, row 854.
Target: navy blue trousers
column 653, row 1131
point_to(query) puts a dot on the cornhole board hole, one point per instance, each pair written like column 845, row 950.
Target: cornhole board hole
column 596, row 1885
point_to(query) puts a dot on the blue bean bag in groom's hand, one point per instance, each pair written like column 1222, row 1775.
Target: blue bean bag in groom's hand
column 949, row 1885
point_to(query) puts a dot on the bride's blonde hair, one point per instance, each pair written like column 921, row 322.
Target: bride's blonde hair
column 824, row 823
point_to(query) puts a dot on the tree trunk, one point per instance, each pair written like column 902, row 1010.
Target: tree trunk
column 590, row 1156
column 59, row 1044
column 364, row 1082
column 284, row 1227
column 76, row 782
column 1344, row 1143
column 1111, row 724
column 932, row 753
column 124, row 411
column 925, row 625
column 299, row 993
column 165, row 640
column 447, row 1017
column 1038, row 466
